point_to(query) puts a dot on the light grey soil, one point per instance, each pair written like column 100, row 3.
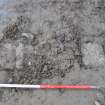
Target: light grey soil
column 52, row 42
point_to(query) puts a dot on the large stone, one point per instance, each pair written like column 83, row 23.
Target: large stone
column 93, row 54
column 7, row 55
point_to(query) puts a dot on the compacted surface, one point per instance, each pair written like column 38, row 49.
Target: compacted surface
column 52, row 42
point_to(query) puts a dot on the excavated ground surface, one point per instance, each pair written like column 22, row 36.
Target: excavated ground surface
column 52, row 42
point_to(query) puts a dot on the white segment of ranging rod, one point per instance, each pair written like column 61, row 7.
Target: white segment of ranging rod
column 19, row 86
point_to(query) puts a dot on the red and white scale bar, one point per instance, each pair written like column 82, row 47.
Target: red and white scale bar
column 87, row 87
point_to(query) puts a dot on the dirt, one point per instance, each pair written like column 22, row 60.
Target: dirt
column 52, row 42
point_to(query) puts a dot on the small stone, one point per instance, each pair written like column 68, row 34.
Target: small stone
column 10, row 80
column 28, row 35
column 29, row 63
column 97, row 103
column 1, row 35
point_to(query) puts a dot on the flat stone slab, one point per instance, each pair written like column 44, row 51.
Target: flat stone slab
column 93, row 54
column 7, row 55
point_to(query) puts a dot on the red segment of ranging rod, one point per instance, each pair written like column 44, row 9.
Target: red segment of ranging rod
column 87, row 87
